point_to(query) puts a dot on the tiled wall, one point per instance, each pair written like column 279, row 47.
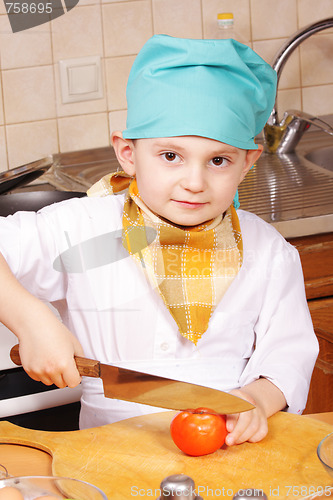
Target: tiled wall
column 33, row 120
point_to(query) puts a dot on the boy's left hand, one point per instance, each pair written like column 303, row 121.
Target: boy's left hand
column 252, row 425
column 247, row 426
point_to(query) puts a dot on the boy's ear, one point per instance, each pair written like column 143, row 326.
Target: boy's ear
column 252, row 155
column 123, row 149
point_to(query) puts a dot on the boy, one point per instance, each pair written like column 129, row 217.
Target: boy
column 208, row 295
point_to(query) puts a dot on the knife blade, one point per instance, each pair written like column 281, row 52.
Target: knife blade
column 139, row 387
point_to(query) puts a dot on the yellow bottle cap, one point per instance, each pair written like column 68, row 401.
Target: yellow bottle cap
column 225, row 15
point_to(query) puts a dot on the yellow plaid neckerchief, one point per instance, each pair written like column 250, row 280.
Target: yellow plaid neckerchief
column 191, row 268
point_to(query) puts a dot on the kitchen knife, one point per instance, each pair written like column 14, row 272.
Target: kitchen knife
column 139, row 387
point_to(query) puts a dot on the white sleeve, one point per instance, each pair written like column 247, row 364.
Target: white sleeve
column 28, row 243
column 286, row 345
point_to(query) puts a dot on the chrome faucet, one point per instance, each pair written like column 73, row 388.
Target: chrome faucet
column 283, row 137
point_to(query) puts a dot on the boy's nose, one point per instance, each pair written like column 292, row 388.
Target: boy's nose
column 194, row 179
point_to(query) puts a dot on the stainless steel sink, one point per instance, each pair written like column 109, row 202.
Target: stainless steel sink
column 322, row 157
column 294, row 191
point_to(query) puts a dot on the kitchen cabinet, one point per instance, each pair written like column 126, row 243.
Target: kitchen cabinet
column 321, row 389
column 316, row 254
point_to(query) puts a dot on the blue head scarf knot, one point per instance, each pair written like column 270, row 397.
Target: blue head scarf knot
column 219, row 89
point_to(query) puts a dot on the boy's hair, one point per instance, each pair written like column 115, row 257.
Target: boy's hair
column 219, row 89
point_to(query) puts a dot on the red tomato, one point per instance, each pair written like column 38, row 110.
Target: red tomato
column 198, row 432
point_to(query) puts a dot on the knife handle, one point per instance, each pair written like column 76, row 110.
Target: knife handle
column 86, row 367
column 15, row 355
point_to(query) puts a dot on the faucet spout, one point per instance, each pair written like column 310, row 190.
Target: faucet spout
column 274, row 131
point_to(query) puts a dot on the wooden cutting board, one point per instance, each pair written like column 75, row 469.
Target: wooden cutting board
column 129, row 459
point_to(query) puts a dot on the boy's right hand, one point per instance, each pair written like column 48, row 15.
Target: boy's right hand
column 48, row 355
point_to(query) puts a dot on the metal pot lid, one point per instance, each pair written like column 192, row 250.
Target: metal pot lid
column 19, row 176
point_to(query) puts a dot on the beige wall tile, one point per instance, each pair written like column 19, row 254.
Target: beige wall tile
column 3, row 150
column 2, row 118
column 83, row 132
column 26, row 48
column 127, row 26
column 31, row 141
column 28, row 94
column 89, row 2
column 318, row 100
column 290, row 76
column 78, row 108
column 117, row 120
column 78, row 33
column 288, row 99
column 117, row 70
column 317, row 60
column 2, row 8
column 181, row 18
column 310, row 11
column 273, row 19
column 240, row 10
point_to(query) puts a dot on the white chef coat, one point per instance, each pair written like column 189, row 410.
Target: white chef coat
column 261, row 327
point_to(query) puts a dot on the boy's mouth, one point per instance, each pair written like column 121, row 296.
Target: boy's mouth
column 189, row 204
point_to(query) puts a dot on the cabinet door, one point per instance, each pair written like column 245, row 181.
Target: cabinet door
column 316, row 253
column 321, row 390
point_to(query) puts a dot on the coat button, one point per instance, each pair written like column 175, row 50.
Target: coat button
column 164, row 346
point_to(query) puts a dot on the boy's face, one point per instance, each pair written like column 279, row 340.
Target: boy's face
column 187, row 180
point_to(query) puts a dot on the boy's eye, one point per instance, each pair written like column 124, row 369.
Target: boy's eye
column 171, row 157
column 219, row 161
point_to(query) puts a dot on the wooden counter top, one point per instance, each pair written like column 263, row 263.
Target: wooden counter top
column 323, row 417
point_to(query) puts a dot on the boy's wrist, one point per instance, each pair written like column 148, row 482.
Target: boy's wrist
column 26, row 315
column 264, row 394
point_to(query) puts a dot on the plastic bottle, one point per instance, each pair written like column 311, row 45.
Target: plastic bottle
column 225, row 25
column 226, row 28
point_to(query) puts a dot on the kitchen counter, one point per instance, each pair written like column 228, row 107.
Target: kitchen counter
column 322, row 417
